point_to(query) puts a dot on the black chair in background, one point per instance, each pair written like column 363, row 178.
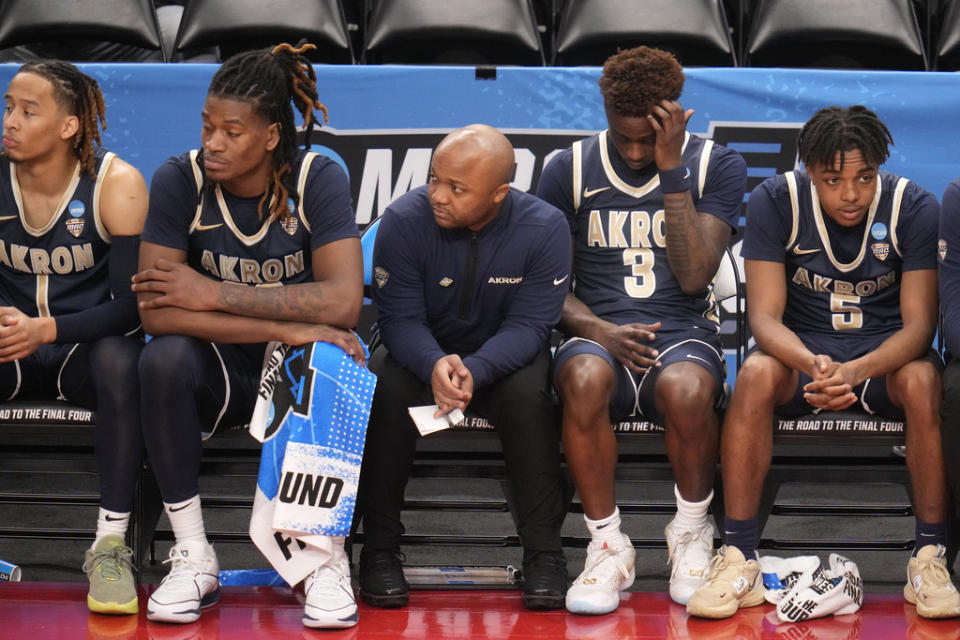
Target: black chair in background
column 80, row 31
column 947, row 47
column 491, row 32
column 852, row 34
column 214, row 30
column 696, row 31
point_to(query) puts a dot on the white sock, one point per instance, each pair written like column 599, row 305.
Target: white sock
column 186, row 519
column 111, row 522
column 691, row 514
column 606, row 529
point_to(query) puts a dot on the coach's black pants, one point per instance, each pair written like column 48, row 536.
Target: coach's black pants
column 521, row 409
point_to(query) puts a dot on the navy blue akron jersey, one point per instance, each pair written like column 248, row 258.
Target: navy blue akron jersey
column 223, row 234
column 842, row 278
column 616, row 216
column 61, row 267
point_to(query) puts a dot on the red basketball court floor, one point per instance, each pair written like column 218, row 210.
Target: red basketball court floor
column 38, row 611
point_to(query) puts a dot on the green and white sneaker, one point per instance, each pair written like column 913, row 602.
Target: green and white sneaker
column 109, row 567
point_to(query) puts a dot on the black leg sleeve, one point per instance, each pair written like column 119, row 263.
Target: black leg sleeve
column 180, row 376
column 110, row 366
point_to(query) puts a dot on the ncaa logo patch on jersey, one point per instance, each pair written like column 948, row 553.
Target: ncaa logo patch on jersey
column 942, row 249
column 881, row 250
column 878, row 231
column 381, row 276
column 75, row 223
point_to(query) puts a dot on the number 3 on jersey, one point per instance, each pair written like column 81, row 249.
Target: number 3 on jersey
column 846, row 313
column 642, row 281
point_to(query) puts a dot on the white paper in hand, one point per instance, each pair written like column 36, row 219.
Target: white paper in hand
column 427, row 424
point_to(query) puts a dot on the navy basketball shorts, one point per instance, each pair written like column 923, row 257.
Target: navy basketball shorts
column 872, row 396
column 41, row 371
column 634, row 396
column 241, row 366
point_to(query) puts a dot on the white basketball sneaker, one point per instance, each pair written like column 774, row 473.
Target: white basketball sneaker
column 690, row 551
column 330, row 601
column 193, row 583
column 608, row 570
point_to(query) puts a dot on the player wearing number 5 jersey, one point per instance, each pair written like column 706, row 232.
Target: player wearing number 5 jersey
column 651, row 209
column 842, row 296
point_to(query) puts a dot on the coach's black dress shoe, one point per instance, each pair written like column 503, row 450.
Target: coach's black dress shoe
column 545, row 580
column 382, row 583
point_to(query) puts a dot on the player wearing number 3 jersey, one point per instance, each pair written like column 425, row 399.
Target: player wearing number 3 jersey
column 651, row 209
column 842, row 296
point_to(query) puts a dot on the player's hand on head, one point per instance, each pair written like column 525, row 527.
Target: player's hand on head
column 175, row 284
column 20, row 335
column 669, row 123
column 452, row 384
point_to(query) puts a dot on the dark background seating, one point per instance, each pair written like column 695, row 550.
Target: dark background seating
column 80, row 30
column 868, row 34
column 696, row 31
column 232, row 26
column 492, row 32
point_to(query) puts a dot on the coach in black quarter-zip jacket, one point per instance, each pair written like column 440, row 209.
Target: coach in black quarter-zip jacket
column 470, row 276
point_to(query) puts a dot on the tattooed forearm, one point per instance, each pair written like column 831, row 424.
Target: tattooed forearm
column 692, row 250
column 295, row 303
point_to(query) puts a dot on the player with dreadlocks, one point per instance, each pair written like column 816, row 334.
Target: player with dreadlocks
column 841, row 265
column 72, row 213
column 651, row 208
column 227, row 223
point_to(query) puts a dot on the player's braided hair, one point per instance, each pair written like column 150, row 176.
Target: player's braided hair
column 838, row 129
column 635, row 80
column 77, row 94
column 271, row 80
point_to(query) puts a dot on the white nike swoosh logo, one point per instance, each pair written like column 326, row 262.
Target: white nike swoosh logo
column 2, row 218
column 801, row 252
column 561, row 280
column 592, row 192
column 207, row 227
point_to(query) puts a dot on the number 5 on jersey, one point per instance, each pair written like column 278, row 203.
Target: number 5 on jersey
column 846, row 313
